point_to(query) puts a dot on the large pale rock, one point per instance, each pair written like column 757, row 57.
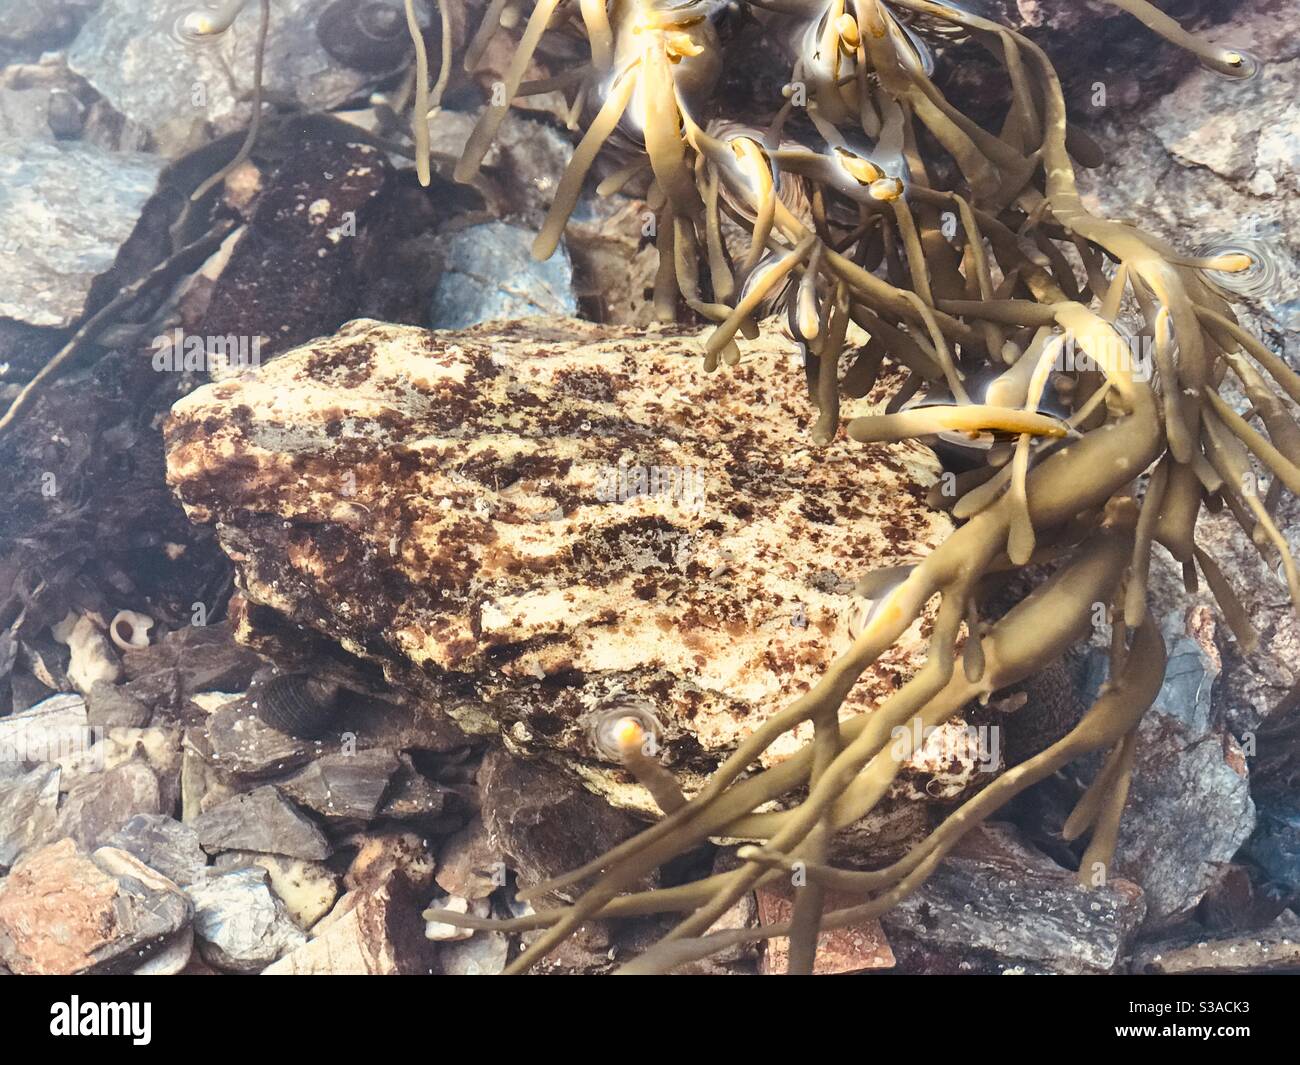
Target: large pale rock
column 242, row 926
column 521, row 522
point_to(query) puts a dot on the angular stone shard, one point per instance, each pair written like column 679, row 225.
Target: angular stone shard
column 28, row 810
column 164, row 844
column 521, row 523
column 102, row 803
column 340, row 787
column 263, row 820
column 997, row 905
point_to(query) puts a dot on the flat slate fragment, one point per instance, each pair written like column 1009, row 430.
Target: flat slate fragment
column 262, row 820
column 343, row 786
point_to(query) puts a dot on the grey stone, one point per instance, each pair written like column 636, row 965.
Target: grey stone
column 997, row 904
column 307, row 889
column 109, row 705
column 65, row 210
column 483, row 954
column 543, row 823
column 172, row 957
column 132, row 55
column 1275, row 845
column 45, row 732
column 489, row 274
column 526, row 156
column 101, row 803
column 469, row 865
column 263, row 820
column 344, row 786
column 158, row 747
column 1189, row 808
column 236, row 741
column 206, row 658
column 164, row 844
column 241, row 926
column 412, row 796
column 1215, row 161
column 28, row 810
column 36, row 27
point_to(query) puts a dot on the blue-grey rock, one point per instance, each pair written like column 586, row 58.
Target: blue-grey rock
column 264, row 821
column 165, row 845
column 1189, row 808
column 1275, row 846
column 242, row 927
column 998, row 905
column 65, row 210
column 181, row 91
column 28, row 809
column 489, row 273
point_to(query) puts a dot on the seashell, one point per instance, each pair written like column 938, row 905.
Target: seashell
column 618, row 717
column 1261, row 280
column 295, row 703
column 129, row 629
column 1240, row 65
column 870, row 595
column 207, row 22
column 370, row 36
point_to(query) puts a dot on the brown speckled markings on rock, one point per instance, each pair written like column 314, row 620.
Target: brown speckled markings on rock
column 430, row 501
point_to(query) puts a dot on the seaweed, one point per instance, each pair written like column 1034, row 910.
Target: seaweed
column 867, row 198
column 1011, row 306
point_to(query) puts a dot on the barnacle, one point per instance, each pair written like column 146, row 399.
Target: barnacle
column 1081, row 456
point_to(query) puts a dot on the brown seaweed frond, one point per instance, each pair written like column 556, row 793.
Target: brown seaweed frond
column 1017, row 312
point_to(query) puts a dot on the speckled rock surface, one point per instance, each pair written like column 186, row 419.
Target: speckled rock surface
column 1189, row 808
column 55, row 237
column 133, row 55
column 451, row 506
column 997, row 905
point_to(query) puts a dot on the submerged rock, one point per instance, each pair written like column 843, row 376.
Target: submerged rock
column 136, row 57
column 1189, row 808
column 242, row 926
column 65, row 210
column 524, row 523
column 28, row 811
column 1220, row 159
column 997, row 905
column 489, row 273
column 63, row 912
column 263, row 820
column 164, row 844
